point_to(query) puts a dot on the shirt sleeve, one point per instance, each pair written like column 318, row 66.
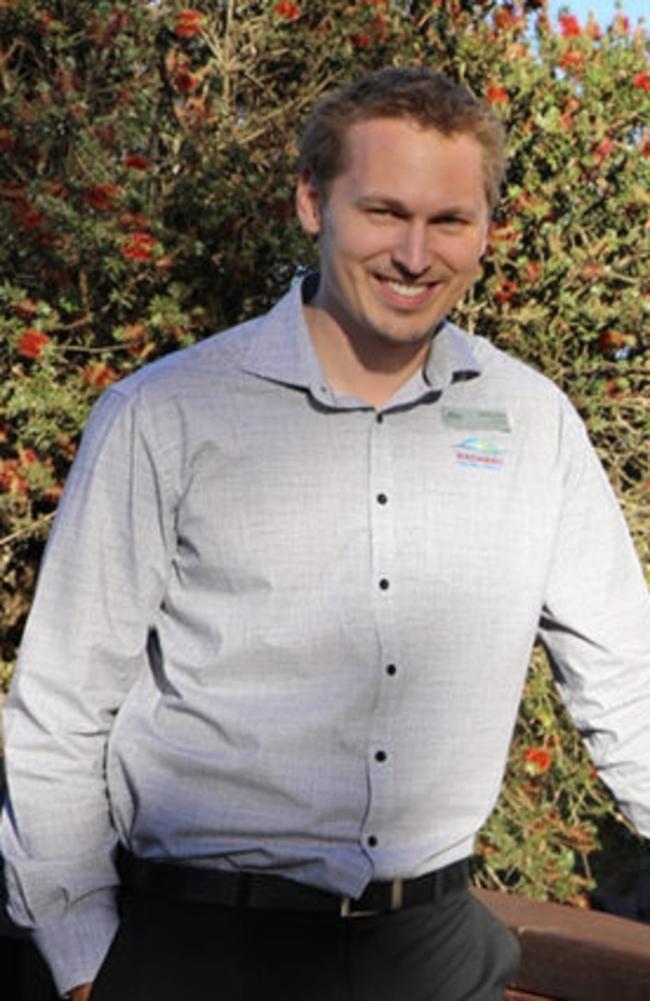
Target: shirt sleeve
column 101, row 582
column 595, row 627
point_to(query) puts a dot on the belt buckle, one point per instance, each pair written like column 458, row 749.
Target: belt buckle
column 346, row 911
column 396, row 902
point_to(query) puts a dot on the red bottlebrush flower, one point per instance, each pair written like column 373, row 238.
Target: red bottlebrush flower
column 31, row 343
column 101, row 196
column 139, row 247
column 188, row 23
column 185, row 81
column 642, row 81
column 645, row 149
column 100, row 375
column 569, row 26
column 537, row 760
column 27, row 216
column 136, row 161
column 506, row 289
column 571, row 60
column 505, row 19
column 11, row 479
column 287, row 9
column 603, row 149
column 613, row 388
column 611, row 341
column 361, row 41
column 495, row 94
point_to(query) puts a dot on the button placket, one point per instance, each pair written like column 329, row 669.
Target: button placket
column 383, row 560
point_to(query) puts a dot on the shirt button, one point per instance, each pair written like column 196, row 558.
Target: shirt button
column 380, row 756
column 380, row 418
column 391, row 669
column 384, row 584
column 372, row 841
column 382, row 499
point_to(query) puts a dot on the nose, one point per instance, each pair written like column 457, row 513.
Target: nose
column 412, row 255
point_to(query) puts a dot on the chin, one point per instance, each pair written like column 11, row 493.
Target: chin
column 415, row 335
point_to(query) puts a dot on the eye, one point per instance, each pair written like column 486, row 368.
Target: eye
column 452, row 222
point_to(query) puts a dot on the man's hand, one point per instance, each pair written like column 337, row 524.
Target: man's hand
column 81, row 993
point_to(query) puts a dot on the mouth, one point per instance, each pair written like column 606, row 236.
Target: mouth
column 408, row 295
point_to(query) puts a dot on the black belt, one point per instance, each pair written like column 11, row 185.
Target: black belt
column 258, row 890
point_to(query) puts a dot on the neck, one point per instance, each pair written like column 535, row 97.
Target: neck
column 368, row 368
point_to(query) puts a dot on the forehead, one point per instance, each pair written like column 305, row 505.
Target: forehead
column 402, row 159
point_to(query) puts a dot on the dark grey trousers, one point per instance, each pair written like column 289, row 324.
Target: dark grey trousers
column 165, row 950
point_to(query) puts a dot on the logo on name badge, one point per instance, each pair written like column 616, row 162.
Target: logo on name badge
column 479, row 452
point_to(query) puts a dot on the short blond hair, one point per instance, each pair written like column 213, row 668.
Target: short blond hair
column 430, row 99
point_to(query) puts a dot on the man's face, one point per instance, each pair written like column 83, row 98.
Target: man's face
column 401, row 230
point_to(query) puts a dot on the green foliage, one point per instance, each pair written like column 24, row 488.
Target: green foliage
column 146, row 200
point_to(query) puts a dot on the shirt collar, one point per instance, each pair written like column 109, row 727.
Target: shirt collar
column 282, row 351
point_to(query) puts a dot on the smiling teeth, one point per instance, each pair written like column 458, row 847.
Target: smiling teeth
column 407, row 290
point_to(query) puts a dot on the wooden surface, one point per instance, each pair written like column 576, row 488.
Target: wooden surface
column 569, row 954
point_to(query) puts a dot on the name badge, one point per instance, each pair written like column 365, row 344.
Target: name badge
column 473, row 419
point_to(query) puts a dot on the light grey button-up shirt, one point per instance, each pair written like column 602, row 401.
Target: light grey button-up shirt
column 278, row 630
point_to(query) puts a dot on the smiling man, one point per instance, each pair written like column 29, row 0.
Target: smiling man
column 269, row 680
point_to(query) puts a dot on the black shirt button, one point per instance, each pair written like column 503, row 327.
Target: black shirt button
column 391, row 669
column 380, row 418
column 380, row 756
column 372, row 841
column 382, row 499
column 384, row 584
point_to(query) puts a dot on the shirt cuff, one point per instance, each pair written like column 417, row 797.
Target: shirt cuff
column 76, row 945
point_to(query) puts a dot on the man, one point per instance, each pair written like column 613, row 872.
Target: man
column 284, row 619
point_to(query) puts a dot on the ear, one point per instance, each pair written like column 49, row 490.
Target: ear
column 308, row 204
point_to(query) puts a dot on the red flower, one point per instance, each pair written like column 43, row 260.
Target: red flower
column 505, row 290
column 571, row 60
column 603, row 149
column 537, row 760
column 362, row 41
column 139, row 247
column 11, row 480
column 569, row 26
column 101, row 196
column 505, row 19
column 188, row 23
column 642, row 80
column 611, row 341
column 645, row 149
column 136, row 161
column 185, row 81
column 287, row 9
column 614, row 388
column 495, row 94
column 31, row 343
column 100, row 375
column 27, row 216
column 621, row 23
